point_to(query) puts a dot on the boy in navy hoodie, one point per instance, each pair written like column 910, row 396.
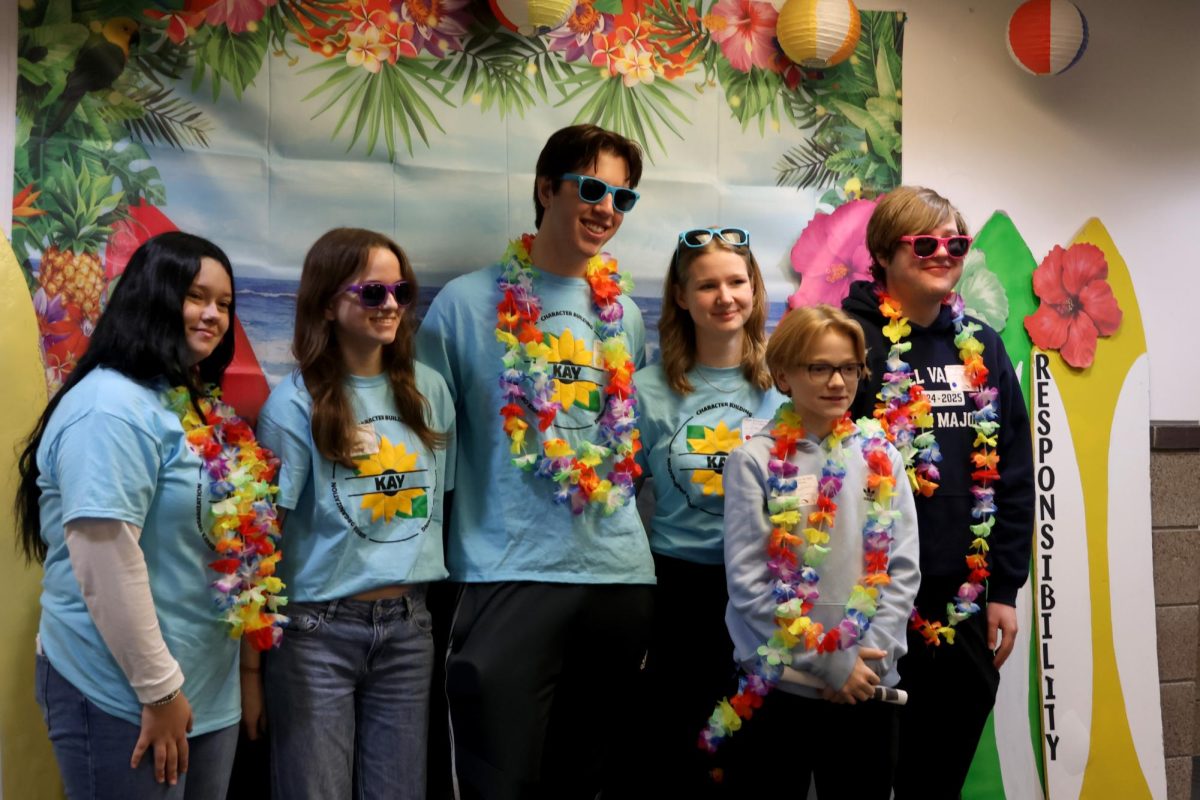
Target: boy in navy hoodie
column 951, row 416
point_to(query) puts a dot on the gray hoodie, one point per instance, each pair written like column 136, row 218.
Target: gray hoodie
column 750, row 615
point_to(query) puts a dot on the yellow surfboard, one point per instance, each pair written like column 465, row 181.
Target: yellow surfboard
column 1102, row 733
column 27, row 766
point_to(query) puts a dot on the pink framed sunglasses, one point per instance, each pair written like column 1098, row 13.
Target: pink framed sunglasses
column 926, row 246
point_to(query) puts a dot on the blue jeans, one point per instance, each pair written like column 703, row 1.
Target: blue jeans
column 348, row 699
column 93, row 749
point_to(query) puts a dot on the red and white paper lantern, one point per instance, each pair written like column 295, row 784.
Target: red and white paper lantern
column 1047, row 37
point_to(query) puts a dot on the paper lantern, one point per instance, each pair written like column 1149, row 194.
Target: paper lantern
column 1047, row 37
column 817, row 34
column 532, row 17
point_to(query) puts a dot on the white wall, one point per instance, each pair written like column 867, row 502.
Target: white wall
column 1116, row 137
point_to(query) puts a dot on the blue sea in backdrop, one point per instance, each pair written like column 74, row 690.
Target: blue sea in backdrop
column 267, row 307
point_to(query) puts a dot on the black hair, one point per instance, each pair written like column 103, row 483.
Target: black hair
column 141, row 335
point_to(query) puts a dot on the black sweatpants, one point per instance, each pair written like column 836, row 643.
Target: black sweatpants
column 951, row 690
column 689, row 668
column 539, row 677
column 849, row 750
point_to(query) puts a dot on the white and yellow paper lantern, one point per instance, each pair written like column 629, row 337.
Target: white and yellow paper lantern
column 1047, row 37
column 817, row 34
column 532, row 17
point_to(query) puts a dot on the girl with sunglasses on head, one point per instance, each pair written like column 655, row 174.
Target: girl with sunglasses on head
column 949, row 397
column 363, row 433
column 821, row 559
column 120, row 499
column 710, row 379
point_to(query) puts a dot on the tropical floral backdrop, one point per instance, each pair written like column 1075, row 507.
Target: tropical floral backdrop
column 261, row 123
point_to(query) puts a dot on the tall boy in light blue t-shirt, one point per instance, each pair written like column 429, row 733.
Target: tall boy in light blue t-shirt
column 552, row 621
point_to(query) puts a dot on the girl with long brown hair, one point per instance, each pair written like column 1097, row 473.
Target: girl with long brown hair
column 362, row 431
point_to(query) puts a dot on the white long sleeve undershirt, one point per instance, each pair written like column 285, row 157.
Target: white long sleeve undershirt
column 111, row 570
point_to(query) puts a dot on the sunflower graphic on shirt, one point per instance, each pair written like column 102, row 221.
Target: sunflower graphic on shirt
column 391, row 468
column 569, row 357
column 716, row 442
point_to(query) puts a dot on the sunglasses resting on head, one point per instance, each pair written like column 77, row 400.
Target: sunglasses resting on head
column 698, row 237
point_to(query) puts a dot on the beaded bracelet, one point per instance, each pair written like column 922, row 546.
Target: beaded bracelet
column 162, row 701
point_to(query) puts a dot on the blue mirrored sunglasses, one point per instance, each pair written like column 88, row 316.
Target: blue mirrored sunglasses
column 698, row 237
column 592, row 190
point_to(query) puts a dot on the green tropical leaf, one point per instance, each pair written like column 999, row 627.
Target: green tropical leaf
column 752, row 96
column 635, row 111
column 982, row 292
column 883, row 78
column 805, row 166
column 153, row 115
column 382, row 101
column 232, row 58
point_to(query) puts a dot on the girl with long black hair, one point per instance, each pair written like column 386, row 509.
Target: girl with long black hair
column 125, row 497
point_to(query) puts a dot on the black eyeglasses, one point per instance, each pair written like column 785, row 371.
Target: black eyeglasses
column 851, row 373
column 592, row 190
column 926, row 246
column 698, row 237
column 374, row 294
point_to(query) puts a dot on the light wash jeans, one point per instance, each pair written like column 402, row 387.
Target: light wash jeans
column 348, row 700
column 93, row 749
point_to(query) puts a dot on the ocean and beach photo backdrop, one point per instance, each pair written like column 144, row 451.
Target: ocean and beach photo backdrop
column 262, row 123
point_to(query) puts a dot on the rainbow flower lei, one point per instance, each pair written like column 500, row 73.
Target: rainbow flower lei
column 244, row 522
column 795, row 589
column 526, row 362
column 907, row 417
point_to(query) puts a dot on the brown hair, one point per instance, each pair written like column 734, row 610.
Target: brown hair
column 798, row 331
column 331, row 263
column 677, row 329
column 905, row 211
column 571, row 148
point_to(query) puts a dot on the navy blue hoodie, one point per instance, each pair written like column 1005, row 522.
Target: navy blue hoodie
column 943, row 519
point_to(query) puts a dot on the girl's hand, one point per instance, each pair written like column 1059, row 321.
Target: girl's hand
column 165, row 728
column 254, row 712
column 860, row 686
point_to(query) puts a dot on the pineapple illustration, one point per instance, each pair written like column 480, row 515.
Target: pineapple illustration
column 81, row 210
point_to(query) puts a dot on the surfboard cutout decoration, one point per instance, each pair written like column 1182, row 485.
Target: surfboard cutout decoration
column 33, row 772
column 1096, row 652
column 998, row 280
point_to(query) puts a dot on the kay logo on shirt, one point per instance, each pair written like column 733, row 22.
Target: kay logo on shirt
column 697, row 452
column 576, row 369
column 386, row 497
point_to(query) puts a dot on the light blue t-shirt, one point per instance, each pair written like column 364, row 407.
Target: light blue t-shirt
column 112, row 450
column 685, row 441
column 506, row 525
column 379, row 524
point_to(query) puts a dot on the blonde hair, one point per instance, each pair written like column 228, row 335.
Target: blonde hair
column 801, row 328
column 905, row 211
column 677, row 329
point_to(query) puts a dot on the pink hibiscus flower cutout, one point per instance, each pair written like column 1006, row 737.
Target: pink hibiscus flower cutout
column 745, row 31
column 1077, row 303
column 831, row 253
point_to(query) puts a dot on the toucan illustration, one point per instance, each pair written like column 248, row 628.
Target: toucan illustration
column 98, row 64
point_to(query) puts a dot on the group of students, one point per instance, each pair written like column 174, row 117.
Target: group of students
column 795, row 560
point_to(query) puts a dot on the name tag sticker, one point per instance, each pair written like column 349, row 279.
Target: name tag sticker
column 751, row 426
column 956, row 376
column 806, row 489
column 365, row 441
